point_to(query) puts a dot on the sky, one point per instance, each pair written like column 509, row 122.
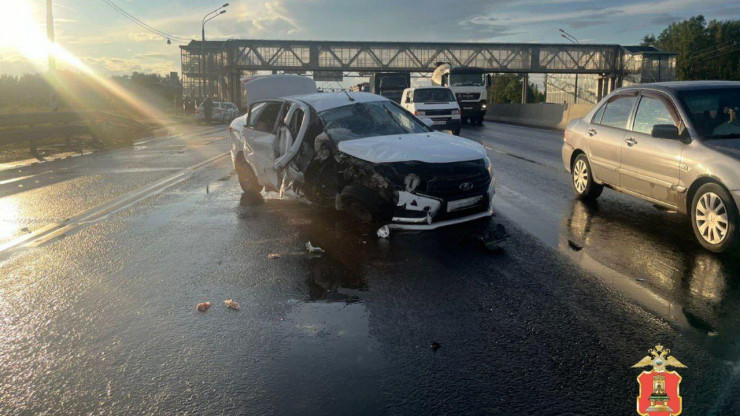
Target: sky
column 107, row 42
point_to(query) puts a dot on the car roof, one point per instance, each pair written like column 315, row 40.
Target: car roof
column 674, row 86
column 327, row 100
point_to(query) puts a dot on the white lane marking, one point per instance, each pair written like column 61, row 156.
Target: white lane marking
column 7, row 181
column 102, row 211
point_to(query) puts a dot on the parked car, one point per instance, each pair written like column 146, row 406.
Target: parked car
column 674, row 144
column 223, row 112
column 361, row 153
column 436, row 103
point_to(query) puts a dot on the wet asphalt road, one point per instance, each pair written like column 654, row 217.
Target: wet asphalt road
column 100, row 316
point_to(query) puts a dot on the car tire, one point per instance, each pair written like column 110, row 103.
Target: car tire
column 714, row 218
column 363, row 203
column 456, row 132
column 584, row 186
column 247, row 179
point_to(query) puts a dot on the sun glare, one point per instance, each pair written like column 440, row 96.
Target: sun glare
column 19, row 31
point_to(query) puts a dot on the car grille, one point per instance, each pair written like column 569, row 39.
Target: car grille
column 467, row 96
column 437, row 112
column 458, row 187
column 451, row 181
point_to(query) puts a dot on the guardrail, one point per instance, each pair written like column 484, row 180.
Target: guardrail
column 547, row 115
column 98, row 128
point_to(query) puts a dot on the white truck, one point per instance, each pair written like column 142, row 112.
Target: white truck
column 437, row 103
column 469, row 86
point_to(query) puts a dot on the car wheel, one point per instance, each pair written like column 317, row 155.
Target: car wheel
column 456, row 132
column 364, row 204
column 583, row 182
column 247, row 178
column 714, row 218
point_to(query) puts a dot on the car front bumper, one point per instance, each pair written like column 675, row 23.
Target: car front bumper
column 472, row 109
column 425, row 223
column 450, row 124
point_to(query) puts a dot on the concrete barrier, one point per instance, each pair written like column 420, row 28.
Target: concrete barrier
column 546, row 115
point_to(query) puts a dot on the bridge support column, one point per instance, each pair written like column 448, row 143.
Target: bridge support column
column 525, row 84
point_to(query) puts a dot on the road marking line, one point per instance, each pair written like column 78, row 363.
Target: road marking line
column 101, row 211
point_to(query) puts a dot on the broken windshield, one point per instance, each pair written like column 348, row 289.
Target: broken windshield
column 380, row 118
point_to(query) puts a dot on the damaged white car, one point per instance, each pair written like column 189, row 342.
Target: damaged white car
column 358, row 152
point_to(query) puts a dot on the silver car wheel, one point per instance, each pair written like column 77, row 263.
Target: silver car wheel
column 580, row 176
column 711, row 218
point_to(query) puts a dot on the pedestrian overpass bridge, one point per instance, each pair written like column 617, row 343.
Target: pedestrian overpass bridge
column 215, row 67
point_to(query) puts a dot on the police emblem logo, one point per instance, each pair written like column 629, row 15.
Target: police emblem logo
column 659, row 388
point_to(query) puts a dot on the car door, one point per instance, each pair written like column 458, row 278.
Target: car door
column 605, row 135
column 290, row 138
column 650, row 165
column 260, row 135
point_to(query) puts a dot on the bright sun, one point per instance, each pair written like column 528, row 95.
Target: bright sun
column 19, row 30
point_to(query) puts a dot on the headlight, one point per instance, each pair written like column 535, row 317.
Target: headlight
column 489, row 165
column 455, row 112
column 483, row 106
column 419, row 113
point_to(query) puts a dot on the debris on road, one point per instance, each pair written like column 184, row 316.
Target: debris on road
column 639, row 279
column 313, row 250
column 492, row 239
column 203, row 306
column 435, row 346
column 232, row 304
column 273, row 256
column 384, row 232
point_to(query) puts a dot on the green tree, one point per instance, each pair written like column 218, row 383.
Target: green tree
column 706, row 50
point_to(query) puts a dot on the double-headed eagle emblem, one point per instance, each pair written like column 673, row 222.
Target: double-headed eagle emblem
column 659, row 359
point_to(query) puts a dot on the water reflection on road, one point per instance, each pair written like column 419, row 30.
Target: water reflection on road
column 653, row 260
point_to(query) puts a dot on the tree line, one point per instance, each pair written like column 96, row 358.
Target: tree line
column 78, row 91
column 706, row 50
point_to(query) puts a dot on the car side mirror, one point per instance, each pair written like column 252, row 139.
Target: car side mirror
column 428, row 121
column 665, row 131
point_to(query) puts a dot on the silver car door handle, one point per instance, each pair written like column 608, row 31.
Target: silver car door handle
column 592, row 132
column 631, row 141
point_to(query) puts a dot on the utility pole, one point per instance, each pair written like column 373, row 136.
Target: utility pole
column 50, row 34
column 50, row 51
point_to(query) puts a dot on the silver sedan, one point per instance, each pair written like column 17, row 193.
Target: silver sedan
column 674, row 144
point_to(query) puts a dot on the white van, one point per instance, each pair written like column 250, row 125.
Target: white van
column 437, row 103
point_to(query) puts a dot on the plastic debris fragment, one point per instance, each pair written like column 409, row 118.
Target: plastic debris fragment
column 203, row 306
column 313, row 249
column 232, row 304
column 384, row 232
column 273, row 256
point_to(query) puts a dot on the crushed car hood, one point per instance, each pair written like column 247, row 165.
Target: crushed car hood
column 432, row 147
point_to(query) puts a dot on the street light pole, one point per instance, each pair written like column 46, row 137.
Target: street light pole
column 213, row 14
column 568, row 36
column 572, row 39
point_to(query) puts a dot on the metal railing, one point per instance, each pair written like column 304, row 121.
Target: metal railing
column 98, row 129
